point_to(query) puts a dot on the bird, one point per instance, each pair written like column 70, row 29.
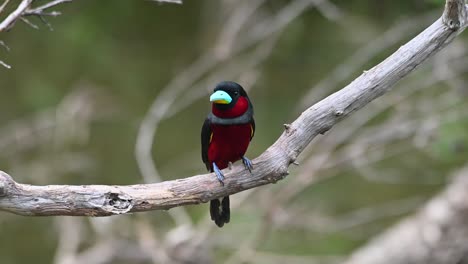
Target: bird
column 225, row 137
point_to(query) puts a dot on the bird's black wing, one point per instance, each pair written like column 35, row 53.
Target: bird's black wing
column 205, row 142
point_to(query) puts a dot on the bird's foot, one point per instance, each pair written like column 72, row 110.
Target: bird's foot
column 218, row 173
column 247, row 164
column 230, row 165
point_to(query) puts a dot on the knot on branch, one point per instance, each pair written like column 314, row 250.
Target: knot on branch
column 338, row 113
column 117, row 203
column 6, row 183
column 454, row 16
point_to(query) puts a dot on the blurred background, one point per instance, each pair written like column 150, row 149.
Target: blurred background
column 117, row 92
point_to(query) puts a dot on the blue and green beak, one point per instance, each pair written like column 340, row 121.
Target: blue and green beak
column 220, row 97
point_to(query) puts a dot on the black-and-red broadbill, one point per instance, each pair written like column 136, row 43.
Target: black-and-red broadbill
column 225, row 136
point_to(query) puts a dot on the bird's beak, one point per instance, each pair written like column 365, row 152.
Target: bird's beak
column 220, row 97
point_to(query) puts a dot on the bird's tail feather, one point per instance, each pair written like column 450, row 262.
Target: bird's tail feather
column 220, row 211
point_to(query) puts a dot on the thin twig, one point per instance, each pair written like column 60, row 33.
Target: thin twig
column 2, row 7
column 362, row 55
column 3, row 44
column 29, row 23
column 179, row 2
column 5, row 65
column 40, row 10
column 15, row 15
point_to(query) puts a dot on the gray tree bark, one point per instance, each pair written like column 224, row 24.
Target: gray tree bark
column 270, row 167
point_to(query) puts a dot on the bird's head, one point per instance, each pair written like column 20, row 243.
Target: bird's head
column 229, row 100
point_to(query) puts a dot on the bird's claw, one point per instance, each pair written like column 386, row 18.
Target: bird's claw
column 247, row 164
column 218, row 173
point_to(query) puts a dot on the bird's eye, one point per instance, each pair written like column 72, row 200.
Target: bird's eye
column 236, row 93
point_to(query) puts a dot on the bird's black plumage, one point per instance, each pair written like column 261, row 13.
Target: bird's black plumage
column 216, row 121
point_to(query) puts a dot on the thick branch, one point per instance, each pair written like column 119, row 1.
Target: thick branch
column 438, row 234
column 271, row 166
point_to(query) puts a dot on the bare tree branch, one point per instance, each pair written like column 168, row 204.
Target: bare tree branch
column 5, row 65
column 25, row 9
column 354, row 62
column 169, row 1
column 15, row 15
column 2, row 7
column 271, row 166
column 162, row 106
column 438, row 234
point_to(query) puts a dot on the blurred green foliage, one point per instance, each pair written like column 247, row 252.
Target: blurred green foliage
column 129, row 50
